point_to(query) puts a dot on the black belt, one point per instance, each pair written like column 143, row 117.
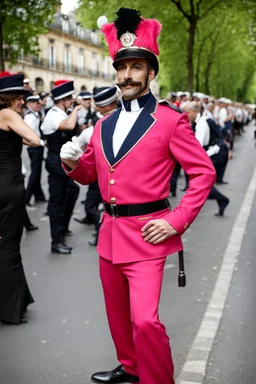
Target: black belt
column 144, row 209
column 136, row 209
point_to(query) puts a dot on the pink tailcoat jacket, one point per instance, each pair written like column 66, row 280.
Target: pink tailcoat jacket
column 141, row 173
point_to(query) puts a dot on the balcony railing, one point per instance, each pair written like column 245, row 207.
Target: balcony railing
column 52, row 65
column 85, row 35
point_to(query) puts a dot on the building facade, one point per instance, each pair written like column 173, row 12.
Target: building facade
column 68, row 51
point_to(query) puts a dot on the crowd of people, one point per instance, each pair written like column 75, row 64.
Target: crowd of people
column 107, row 142
column 58, row 116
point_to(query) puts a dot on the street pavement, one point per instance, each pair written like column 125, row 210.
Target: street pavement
column 66, row 338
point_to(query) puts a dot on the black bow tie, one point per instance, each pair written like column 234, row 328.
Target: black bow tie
column 142, row 101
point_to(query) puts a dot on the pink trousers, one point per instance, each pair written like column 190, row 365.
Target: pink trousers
column 132, row 294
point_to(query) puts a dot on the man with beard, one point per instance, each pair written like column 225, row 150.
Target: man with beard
column 132, row 154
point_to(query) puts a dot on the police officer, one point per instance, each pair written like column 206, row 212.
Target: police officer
column 32, row 118
column 58, row 129
column 86, row 113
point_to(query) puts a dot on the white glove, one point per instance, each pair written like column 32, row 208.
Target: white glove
column 71, row 150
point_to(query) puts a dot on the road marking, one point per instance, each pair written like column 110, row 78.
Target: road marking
column 195, row 366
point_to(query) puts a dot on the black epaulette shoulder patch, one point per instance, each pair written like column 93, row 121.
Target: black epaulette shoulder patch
column 165, row 102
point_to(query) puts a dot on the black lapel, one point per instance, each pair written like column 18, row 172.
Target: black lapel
column 139, row 129
column 107, row 131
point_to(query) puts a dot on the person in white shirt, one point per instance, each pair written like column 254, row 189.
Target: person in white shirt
column 223, row 114
column 86, row 113
column 63, row 192
column 32, row 119
column 206, row 139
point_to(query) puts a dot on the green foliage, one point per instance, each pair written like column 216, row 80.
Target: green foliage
column 22, row 21
column 224, row 51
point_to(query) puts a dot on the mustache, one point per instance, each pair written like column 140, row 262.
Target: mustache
column 128, row 81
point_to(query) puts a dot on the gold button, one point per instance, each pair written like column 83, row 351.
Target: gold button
column 112, row 182
column 111, row 170
column 112, row 200
column 186, row 226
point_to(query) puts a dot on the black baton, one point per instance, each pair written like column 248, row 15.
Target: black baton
column 182, row 276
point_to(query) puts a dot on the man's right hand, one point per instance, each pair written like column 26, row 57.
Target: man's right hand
column 71, row 150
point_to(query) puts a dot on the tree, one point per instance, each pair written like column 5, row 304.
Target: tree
column 21, row 22
column 207, row 45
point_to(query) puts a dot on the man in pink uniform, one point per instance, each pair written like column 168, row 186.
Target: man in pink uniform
column 132, row 154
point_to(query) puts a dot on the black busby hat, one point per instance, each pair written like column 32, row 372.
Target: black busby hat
column 105, row 97
column 31, row 97
column 85, row 95
column 62, row 90
column 12, row 83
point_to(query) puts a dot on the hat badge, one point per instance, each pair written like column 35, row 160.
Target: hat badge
column 127, row 39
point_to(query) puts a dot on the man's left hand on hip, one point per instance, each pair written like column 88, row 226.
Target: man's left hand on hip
column 156, row 231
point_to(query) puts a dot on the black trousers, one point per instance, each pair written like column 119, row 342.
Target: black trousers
column 216, row 195
column 92, row 201
column 34, row 181
column 220, row 162
column 63, row 193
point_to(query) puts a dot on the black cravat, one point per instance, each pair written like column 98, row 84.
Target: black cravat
column 142, row 101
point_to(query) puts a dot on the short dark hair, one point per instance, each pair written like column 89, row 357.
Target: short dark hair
column 6, row 99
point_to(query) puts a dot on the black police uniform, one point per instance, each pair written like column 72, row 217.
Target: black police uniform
column 63, row 191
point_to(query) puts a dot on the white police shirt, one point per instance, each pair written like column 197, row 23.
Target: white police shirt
column 32, row 119
column 85, row 136
column 124, row 124
column 52, row 120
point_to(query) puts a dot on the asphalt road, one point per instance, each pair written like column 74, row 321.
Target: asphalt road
column 66, row 338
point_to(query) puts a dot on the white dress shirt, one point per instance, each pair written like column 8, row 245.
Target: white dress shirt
column 124, row 124
column 202, row 134
column 53, row 119
column 32, row 119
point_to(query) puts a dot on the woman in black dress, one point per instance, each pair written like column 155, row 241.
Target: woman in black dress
column 14, row 292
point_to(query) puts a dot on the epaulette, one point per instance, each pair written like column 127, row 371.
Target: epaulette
column 165, row 102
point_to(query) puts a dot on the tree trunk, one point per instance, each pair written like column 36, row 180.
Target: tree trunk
column 197, row 88
column 190, row 66
column 1, row 48
column 207, row 78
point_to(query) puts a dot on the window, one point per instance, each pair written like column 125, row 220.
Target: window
column 67, row 59
column 94, row 37
column 52, row 57
column 80, row 61
column 105, row 68
column 65, row 24
column 79, row 31
column 39, row 83
column 95, row 65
